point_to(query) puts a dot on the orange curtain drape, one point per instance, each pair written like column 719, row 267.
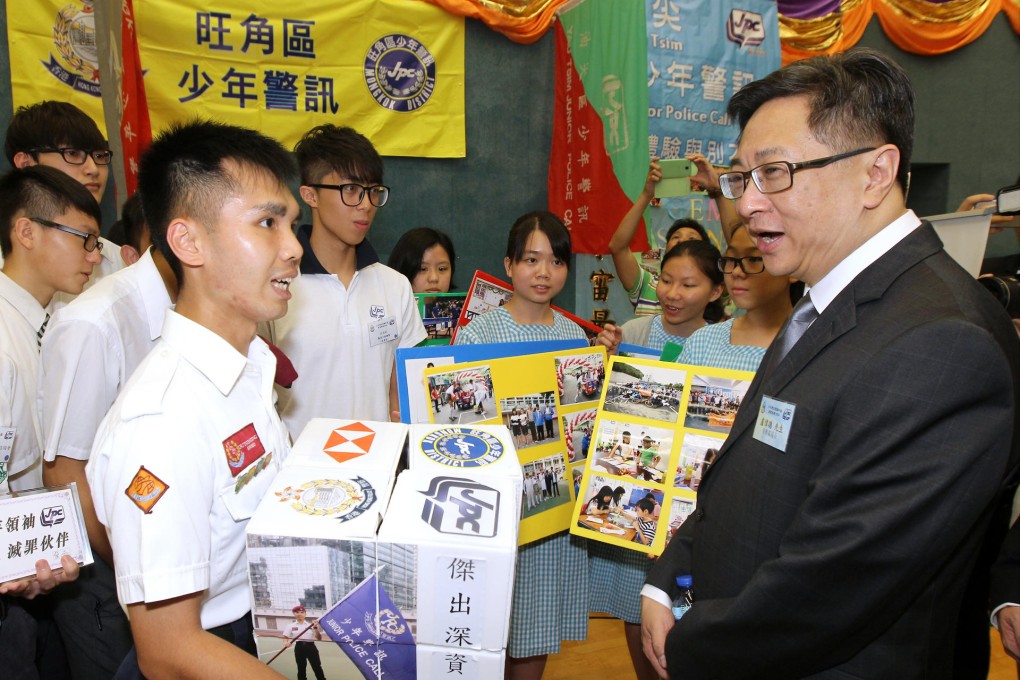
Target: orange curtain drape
column 918, row 26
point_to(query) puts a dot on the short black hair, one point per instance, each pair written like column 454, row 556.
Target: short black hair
column 706, row 256
column 857, row 98
column 127, row 231
column 40, row 191
column 410, row 248
column 646, row 504
column 545, row 222
column 51, row 124
column 184, row 173
column 343, row 150
column 686, row 223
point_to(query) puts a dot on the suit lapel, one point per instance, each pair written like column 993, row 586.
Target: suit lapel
column 837, row 319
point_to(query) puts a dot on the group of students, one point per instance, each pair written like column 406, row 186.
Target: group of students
column 344, row 315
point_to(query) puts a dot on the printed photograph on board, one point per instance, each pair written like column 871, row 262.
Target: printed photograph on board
column 646, row 391
column 531, row 419
column 697, row 452
column 631, row 449
column 580, row 377
column 626, row 510
column 577, row 433
column 545, row 485
column 714, row 402
column 465, row 396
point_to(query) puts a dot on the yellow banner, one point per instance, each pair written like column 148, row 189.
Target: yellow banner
column 392, row 69
column 54, row 54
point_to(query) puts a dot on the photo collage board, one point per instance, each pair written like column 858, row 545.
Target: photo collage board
column 658, row 427
column 548, row 402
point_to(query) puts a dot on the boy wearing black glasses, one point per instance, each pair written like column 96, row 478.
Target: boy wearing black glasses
column 49, row 241
column 350, row 312
column 62, row 136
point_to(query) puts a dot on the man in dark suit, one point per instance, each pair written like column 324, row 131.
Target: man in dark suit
column 1005, row 593
column 838, row 526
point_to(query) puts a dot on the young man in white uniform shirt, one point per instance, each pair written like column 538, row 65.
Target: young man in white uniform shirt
column 91, row 348
column 350, row 312
column 193, row 441
column 37, row 207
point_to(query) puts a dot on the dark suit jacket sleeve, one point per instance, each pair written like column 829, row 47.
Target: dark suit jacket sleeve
column 1005, row 584
column 675, row 559
column 913, row 448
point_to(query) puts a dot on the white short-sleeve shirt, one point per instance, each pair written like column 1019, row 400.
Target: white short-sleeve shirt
column 189, row 448
column 343, row 339
column 91, row 348
column 21, row 316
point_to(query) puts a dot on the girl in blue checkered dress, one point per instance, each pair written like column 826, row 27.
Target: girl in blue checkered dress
column 550, row 601
column 740, row 343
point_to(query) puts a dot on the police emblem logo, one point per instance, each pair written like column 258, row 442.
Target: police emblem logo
column 338, row 498
column 461, row 506
column 462, row 447
column 74, row 38
column 400, row 72
column 242, row 449
column 146, row 489
column 388, row 626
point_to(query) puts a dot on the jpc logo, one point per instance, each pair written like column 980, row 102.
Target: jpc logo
column 747, row 29
column 400, row 72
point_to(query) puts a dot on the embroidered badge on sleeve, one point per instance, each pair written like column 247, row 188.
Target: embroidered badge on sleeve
column 145, row 490
column 242, row 449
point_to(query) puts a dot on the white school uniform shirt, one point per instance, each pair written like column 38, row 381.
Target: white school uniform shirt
column 189, row 448
column 343, row 339
column 21, row 317
column 14, row 409
column 91, row 348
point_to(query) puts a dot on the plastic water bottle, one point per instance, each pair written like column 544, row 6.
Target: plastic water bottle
column 684, row 597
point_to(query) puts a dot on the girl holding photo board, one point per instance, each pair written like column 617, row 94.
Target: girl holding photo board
column 550, row 600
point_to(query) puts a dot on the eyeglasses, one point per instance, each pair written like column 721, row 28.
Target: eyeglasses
column 77, row 156
column 354, row 194
column 771, row 178
column 753, row 264
column 92, row 241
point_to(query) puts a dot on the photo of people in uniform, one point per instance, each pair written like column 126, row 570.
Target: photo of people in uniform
column 532, row 419
column 465, row 396
column 546, row 485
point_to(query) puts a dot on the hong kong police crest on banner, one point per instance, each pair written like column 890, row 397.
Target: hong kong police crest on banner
column 74, row 38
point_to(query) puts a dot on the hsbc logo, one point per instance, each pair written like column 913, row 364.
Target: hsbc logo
column 461, row 506
column 747, row 29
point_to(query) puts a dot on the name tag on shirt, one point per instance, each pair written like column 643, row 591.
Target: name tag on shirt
column 382, row 331
column 6, row 447
column 774, row 421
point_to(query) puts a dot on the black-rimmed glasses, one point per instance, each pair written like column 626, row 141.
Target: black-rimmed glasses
column 92, row 241
column 77, row 156
column 752, row 264
column 771, row 178
column 353, row 194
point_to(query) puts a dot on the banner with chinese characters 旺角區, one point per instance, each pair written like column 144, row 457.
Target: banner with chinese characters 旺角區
column 392, row 69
